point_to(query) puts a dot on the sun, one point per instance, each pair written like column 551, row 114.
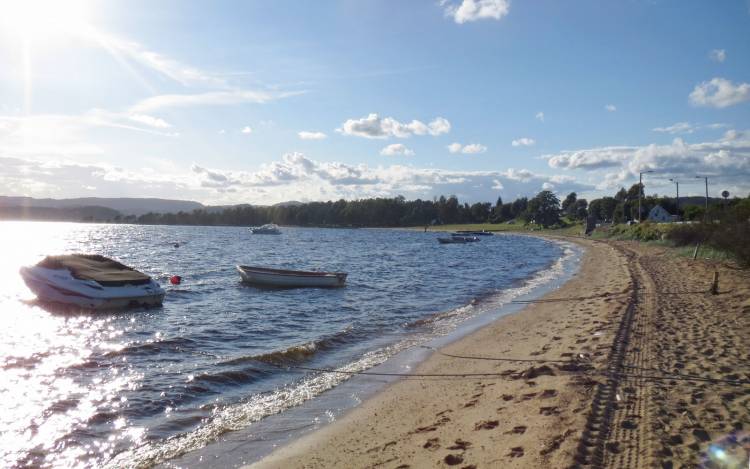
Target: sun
column 36, row 20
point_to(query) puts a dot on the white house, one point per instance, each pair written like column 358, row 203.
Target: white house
column 659, row 215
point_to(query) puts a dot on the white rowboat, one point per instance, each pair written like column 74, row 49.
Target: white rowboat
column 290, row 278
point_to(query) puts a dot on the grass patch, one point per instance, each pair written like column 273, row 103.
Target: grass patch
column 515, row 227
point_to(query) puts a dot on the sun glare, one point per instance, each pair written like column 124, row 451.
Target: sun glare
column 42, row 19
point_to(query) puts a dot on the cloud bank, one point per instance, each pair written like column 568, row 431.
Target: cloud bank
column 475, row 10
column 373, row 126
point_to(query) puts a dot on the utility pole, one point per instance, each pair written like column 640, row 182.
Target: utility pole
column 705, row 214
column 640, row 191
column 677, row 183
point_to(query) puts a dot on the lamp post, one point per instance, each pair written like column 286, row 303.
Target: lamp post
column 705, row 213
column 640, row 191
column 677, row 183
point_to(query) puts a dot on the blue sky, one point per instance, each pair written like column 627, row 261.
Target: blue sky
column 262, row 102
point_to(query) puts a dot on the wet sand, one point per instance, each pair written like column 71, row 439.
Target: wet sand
column 528, row 415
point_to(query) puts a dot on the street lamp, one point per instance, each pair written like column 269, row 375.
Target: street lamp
column 705, row 213
column 640, row 191
column 677, row 183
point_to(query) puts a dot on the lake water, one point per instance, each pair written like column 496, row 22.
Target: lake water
column 140, row 387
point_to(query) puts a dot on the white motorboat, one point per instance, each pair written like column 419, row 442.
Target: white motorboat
column 290, row 278
column 268, row 228
column 91, row 282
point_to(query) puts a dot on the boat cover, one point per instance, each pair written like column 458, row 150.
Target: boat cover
column 103, row 270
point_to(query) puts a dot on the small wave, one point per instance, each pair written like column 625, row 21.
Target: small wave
column 437, row 317
column 174, row 344
column 228, row 377
column 299, row 353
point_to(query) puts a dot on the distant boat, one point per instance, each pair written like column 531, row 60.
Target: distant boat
column 474, row 233
column 456, row 239
column 269, row 228
column 290, row 278
column 91, row 282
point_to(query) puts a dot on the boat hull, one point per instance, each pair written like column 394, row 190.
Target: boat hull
column 58, row 286
column 458, row 240
column 291, row 279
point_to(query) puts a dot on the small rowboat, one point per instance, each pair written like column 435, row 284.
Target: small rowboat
column 290, row 278
column 473, row 233
column 458, row 240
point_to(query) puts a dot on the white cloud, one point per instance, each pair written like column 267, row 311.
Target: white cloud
column 292, row 177
column 150, row 121
column 474, row 10
column 686, row 128
column 678, row 128
column 396, row 149
column 297, row 177
column 719, row 93
column 718, row 55
column 455, row 147
column 211, row 98
column 166, row 66
column 539, row 116
column 473, row 148
column 727, row 158
column 305, row 135
column 548, row 186
column 610, row 108
column 523, row 142
column 373, row 126
column 222, row 132
column 246, row 130
column 470, row 149
column 523, row 175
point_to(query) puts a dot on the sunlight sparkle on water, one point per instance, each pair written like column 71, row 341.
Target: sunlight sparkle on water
column 39, row 403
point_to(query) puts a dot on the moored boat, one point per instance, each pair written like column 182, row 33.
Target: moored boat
column 268, row 228
column 91, row 282
column 457, row 239
column 474, row 233
column 290, row 278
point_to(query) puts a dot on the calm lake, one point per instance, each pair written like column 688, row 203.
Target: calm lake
column 146, row 385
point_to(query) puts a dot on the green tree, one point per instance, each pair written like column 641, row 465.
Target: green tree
column 544, row 209
column 568, row 205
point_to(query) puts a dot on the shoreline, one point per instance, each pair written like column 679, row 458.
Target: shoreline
column 418, row 422
column 251, row 444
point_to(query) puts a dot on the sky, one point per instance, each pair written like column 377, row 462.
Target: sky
column 262, row 102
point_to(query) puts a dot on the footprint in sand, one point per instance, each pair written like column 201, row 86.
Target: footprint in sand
column 548, row 393
column 486, row 425
column 549, row 410
column 460, row 444
column 516, row 452
column 453, row 459
column 432, row 444
column 518, row 430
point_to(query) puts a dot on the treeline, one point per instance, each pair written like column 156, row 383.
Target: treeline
column 377, row 212
column 544, row 209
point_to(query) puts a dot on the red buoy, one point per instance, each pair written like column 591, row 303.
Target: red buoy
column 175, row 279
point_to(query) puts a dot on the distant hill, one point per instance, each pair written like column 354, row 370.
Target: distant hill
column 125, row 206
column 90, row 214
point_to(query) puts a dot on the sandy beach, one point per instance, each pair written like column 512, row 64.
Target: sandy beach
column 632, row 363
